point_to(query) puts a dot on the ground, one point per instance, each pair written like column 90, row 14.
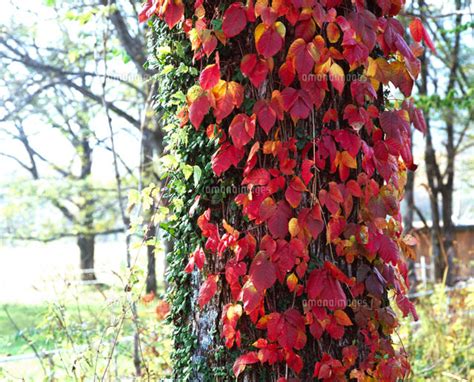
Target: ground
column 84, row 324
column 52, row 312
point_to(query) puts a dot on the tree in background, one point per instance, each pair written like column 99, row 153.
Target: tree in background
column 71, row 68
column 66, row 184
column 302, row 235
column 445, row 91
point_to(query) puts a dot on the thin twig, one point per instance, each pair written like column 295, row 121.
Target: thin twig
column 125, row 219
column 27, row 340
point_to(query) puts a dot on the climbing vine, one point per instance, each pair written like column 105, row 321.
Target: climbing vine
column 303, row 244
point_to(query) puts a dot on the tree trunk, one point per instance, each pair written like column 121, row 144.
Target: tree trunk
column 448, row 239
column 300, row 276
column 448, row 186
column 86, row 245
column 151, row 262
column 434, row 182
column 408, row 224
column 441, row 182
column 151, row 144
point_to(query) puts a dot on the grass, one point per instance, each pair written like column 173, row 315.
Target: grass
column 26, row 317
column 32, row 322
column 84, row 325
column 441, row 344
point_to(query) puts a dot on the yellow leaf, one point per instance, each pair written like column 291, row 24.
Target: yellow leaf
column 259, row 31
column 294, row 227
column 336, row 75
column 280, row 28
column 347, row 160
column 342, row 318
column 291, row 282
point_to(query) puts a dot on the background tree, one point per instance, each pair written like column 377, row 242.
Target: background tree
column 445, row 91
column 66, row 184
column 72, row 64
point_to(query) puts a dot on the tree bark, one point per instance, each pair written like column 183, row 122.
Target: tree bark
column 151, row 262
column 408, row 224
column 433, row 176
column 441, row 183
column 448, row 186
column 243, row 274
column 86, row 240
column 151, row 144
column 86, row 244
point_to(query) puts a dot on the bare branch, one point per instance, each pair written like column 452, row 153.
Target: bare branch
column 22, row 164
column 132, row 45
column 63, row 235
column 439, row 16
column 86, row 92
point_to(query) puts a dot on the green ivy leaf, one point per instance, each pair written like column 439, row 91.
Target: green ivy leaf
column 197, row 173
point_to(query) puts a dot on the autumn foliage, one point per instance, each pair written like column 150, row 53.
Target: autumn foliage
column 293, row 91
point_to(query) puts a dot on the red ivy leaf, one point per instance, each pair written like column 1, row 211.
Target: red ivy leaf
column 242, row 130
column 342, row 318
column 254, row 68
column 148, row 9
column 227, row 155
column 297, row 102
column 364, row 23
column 336, row 76
column 350, row 354
column 287, row 73
column 174, row 12
column 419, row 120
column 294, row 192
column 211, row 75
column 418, row 32
column 267, row 209
column 334, row 330
column 262, row 272
column 235, row 20
column 269, row 39
column 295, row 363
column 335, row 227
column 328, row 369
column 278, row 222
column 198, row 257
column 208, row 290
column 324, row 288
column 416, row 29
column 406, row 306
column 209, row 43
column 330, row 115
column 294, row 333
column 306, row 171
column 243, row 361
column 257, row 177
column 311, row 220
column 266, row 116
column 268, row 111
column 386, row 247
column 251, row 297
column 338, row 274
column 333, row 32
column 354, row 188
column 198, row 109
column 304, row 55
column 227, row 95
column 394, row 123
